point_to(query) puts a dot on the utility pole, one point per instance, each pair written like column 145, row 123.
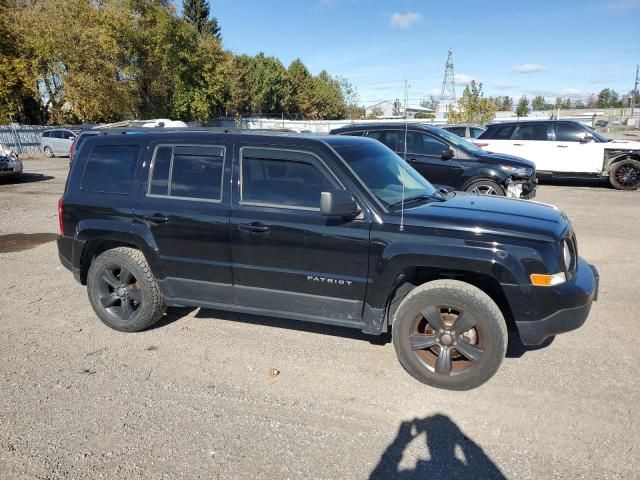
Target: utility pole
column 406, row 97
column 634, row 93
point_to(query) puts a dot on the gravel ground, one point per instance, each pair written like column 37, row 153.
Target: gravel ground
column 193, row 398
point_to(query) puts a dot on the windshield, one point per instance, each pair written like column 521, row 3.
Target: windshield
column 460, row 142
column 384, row 172
column 595, row 134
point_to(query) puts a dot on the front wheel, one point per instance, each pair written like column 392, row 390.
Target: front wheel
column 48, row 152
column 122, row 290
column 485, row 187
column 449, row 334
column 625, row 174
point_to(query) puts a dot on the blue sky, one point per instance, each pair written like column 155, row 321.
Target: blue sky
column 548, row 47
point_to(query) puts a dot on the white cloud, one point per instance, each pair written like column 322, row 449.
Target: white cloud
column 464, row 79
column 567, row 92
column 435, row 92
column 405, row 20
column 623, row 5
column 504, row 86
column 528, row 68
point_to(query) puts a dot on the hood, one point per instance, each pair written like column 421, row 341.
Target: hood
column 623, row 145
column 503, row 159
column 485, row 214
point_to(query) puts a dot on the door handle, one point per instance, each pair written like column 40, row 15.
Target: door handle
column 518, row 144
column 254, row 227
column 562, row 146
column 156, row 218
column 412, row 160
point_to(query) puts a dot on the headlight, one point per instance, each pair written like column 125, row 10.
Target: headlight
column 566, row 252
column 517, row 171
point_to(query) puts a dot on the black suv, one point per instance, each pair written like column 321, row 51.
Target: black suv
column 336, row 230
column 451, row 162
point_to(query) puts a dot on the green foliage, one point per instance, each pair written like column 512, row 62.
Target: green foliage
column 522, row 110
column 425, row 115
column 473, row 107
column 608, row 98
column 109, row 60
column 196, row 12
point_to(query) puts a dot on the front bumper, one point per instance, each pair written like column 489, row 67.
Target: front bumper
column 542, row 312
column 11, row 168
column 522, row 188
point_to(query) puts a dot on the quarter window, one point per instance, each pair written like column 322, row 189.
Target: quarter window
column 187, row 171
column 532, row 132
column 282, row 182
column 476, row 132
column 568, row 132
column 110, row 168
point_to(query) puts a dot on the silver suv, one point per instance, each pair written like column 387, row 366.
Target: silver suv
column 57, row 141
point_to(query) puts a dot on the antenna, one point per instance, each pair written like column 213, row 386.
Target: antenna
column 404, row 164
column 448, row 91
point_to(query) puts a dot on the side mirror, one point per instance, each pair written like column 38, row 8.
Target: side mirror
column 586, row 138
column 338, row 203
column 448, row 154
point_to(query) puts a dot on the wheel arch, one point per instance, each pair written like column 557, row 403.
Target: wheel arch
column 486, row 174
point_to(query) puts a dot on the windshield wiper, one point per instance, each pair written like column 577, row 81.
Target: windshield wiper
column 424, row 196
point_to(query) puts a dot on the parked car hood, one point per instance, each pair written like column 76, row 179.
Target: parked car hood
column 503, row 159
column 489, row 215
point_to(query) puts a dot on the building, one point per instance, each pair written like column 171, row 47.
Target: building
column 385, row 110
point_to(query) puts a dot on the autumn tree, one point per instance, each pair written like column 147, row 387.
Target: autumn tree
column 473, row 107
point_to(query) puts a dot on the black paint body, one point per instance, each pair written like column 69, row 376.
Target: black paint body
column 299, row 264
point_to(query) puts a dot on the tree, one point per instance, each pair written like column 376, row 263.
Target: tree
column 608, row 98
column 397, row 108
column 538, row 103
column 376, row 112
column 473, row 107
column 522, row 110
column 431, row 103
column 196, row 12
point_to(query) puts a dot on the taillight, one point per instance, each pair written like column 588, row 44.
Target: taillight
column 60, row 221
column 72, row 150
column 480, row 144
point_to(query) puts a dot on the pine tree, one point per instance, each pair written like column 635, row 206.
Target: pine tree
column 196, row 12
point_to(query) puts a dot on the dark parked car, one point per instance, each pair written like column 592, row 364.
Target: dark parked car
column 450, row 162
column 335, row 229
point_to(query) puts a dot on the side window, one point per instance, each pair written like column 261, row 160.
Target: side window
column 568, row 132
column 391, row 138
column 46, row 134
column 422, row 144
column 503, row 133
column 109, row 169
column 67, row 135
column 532, row 132
column 187, row 171
column 56, row 134
column 475, row 132
column 283, row 181
column 460, row 131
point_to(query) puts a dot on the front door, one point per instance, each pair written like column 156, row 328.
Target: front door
column 184, row 206
column 424, row 153
column 287, row 257
column 570, row 154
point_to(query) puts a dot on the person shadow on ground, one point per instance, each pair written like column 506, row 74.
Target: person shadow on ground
column 442, row 436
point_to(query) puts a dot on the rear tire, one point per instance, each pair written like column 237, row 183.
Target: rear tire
column 625, row 174
column 485, row 187
column 48, row 152
column 123, row 292
column 449, row 334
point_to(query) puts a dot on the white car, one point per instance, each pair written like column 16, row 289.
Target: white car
column 564, row 148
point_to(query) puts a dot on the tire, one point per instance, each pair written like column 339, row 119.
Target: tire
column 625, row 174
column 430, row 354
column 48, row 152
column 123, row 292
column 485, row 187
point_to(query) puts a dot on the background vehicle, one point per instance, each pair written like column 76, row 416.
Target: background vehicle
column 466, row 130
column 564, row 148
column 448, row 161
column 308, row 228
column 57, row 141
column 10, row 164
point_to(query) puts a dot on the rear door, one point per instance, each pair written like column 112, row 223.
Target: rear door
column 531, row 141
column 287, row 256
column 184, row 205
column 498, row 139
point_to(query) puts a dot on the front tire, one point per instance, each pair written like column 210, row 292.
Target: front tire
column 625, row 174
column 48, row 152
column 485, row 187
column 449, row 334
column 123, row 292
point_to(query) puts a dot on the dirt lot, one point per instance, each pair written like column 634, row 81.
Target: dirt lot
column 193, row 398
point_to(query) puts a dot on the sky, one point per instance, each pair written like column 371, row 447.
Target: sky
column 545, row 47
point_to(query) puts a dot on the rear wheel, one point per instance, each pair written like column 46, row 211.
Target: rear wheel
column 122, row 290
column 485, row 187
column 48, row 152
column 625, row 174
column 449, row 334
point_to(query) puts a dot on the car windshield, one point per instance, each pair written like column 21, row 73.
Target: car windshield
column 600, row 138
column 459, row 142
column 385, row 173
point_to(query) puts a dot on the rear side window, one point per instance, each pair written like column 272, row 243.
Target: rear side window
column 109, row 169
column 283, row 182
column 531, row 132
column 502, row 133
column 475, row 132
column 391, row 138
column 460, row 131
column 192, row 172
column 46, row 134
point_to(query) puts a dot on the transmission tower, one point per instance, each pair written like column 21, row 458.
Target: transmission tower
column 448, row 91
